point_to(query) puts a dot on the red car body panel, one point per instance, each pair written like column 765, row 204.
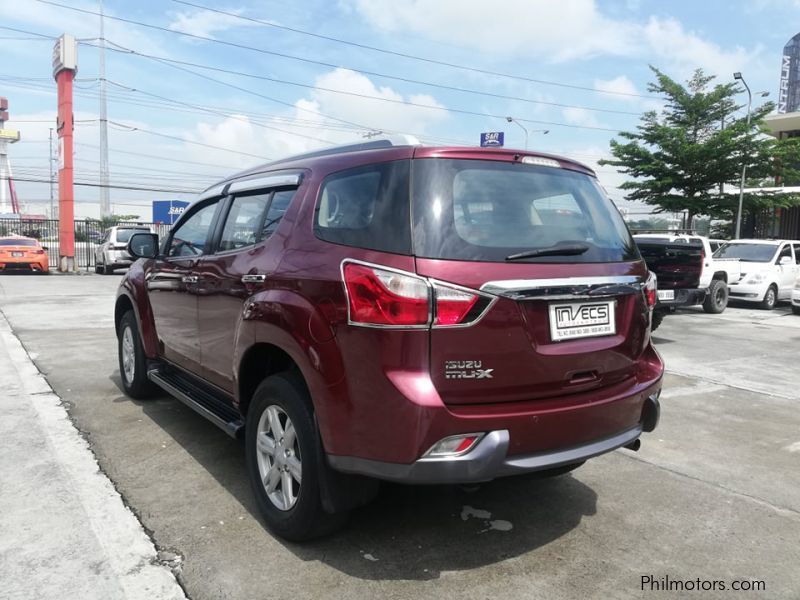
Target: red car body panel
column 381, row 394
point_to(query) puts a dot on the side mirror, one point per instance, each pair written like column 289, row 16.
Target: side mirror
column 143, row 245
column 785, row 260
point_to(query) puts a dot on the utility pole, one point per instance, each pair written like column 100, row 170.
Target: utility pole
column 50, row 162
column 104, row 190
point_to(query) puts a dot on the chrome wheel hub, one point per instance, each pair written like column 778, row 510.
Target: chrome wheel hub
column 128, row 355
column 278, row 454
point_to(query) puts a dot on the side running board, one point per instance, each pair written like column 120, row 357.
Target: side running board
column 199, row 399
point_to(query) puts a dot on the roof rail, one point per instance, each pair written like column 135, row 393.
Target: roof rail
column 388, row 141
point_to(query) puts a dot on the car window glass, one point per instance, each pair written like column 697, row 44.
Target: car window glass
column 797, row 254
column 786, row 250
column 367, row 207
column 277, row 208
column 189, row 239
column 243, row 222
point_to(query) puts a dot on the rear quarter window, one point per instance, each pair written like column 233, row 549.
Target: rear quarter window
column 366, row 207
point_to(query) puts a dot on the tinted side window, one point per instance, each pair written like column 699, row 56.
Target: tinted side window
column 797, row 254
column 243, row 222
column 786, row 250
column 367, row 207
column 277, row 208
column 189, row 239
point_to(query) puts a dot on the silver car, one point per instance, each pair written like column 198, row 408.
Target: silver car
column 110, row 252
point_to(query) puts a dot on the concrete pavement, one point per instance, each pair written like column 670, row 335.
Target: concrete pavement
column 714, row 493
column 64, row 530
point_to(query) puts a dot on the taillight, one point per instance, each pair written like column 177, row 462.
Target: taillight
column 385, row 298
column 452, row 305
column 39, row 251
column 651, row 290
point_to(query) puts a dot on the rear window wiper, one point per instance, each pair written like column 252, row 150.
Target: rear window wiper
column 557, row 250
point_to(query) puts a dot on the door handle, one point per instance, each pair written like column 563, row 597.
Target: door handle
column 254, row 278
column 190, row 279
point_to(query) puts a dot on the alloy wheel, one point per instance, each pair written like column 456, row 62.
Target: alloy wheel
column 128, row 355
column 279, row 460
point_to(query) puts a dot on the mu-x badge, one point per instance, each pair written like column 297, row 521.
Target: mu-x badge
column 466, row 369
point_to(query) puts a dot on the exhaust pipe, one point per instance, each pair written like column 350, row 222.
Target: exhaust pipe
column 634, row 445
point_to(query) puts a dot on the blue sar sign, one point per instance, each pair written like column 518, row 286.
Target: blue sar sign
column 492, row 138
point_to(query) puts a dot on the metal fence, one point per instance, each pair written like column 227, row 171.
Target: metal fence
column 87, row 234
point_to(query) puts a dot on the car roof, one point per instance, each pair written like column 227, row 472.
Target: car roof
column 18, row 237
column 341, row 157
column 754, row 241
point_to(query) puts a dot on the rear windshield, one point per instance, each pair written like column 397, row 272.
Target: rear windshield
column 488, row 211
column 123, row 235
column 18, row 242
column 747, row 252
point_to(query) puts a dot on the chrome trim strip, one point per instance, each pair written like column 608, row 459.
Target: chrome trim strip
column 564, row 288
column 393, row 270
column 263, row 182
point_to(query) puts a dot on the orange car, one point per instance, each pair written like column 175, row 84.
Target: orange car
column 23, row 254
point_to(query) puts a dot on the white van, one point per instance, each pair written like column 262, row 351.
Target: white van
column 769, row 269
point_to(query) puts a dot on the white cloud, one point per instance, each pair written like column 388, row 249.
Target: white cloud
column 557, row 31
column 619, row 85
column 580, row 116
column 679, row 50
column 205, row 22
column 306, row 127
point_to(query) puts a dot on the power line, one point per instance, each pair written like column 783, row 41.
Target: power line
column 114, row 187
column 409, row 56
column 365, row 96
column 331, row 65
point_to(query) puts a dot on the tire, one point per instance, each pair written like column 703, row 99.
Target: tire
column 796, row 310
column 658, row 316
column 295, row 511
column 97, row 268
column 770, row 298
column 717, row 298
column 107, row 270
column 132, row 361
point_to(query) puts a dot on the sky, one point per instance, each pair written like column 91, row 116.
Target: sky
column 200, row 95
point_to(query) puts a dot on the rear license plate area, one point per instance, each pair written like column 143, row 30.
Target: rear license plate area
column 17, row 254
column 575, row 320
column 666, row 294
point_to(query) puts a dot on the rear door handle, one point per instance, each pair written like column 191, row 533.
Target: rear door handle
column 190, row 279
column 254, row 278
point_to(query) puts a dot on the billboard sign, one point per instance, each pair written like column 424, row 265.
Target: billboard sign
column 65, row 54
column 492, row 138
column 168, row 211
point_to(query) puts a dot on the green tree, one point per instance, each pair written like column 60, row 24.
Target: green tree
column 679, row 157
column 111, row 220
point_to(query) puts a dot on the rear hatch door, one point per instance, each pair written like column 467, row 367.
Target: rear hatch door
column 568, row 319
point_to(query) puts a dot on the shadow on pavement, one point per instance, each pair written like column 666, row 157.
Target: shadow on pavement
column 407, row 532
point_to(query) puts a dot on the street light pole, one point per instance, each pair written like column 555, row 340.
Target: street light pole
column 738, row 76
column 513, row 120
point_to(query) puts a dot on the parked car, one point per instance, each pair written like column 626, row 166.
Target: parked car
column 714, row 277
column 18, row 253
column 111, row 253
column 769, row 269
column 397, row 312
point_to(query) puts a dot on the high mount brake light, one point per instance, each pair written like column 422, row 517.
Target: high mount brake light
column 650, row 290
column 386, row 298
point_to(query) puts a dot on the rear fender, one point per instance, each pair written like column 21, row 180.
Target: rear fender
column 290, row 322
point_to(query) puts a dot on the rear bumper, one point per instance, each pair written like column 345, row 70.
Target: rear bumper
column 24, row 264
column 684, row 297
column 489, row 459
column 518, row 439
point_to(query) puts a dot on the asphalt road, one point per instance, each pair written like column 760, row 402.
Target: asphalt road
column 713, row 494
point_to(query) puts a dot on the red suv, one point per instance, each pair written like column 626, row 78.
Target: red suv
column 397, row 312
